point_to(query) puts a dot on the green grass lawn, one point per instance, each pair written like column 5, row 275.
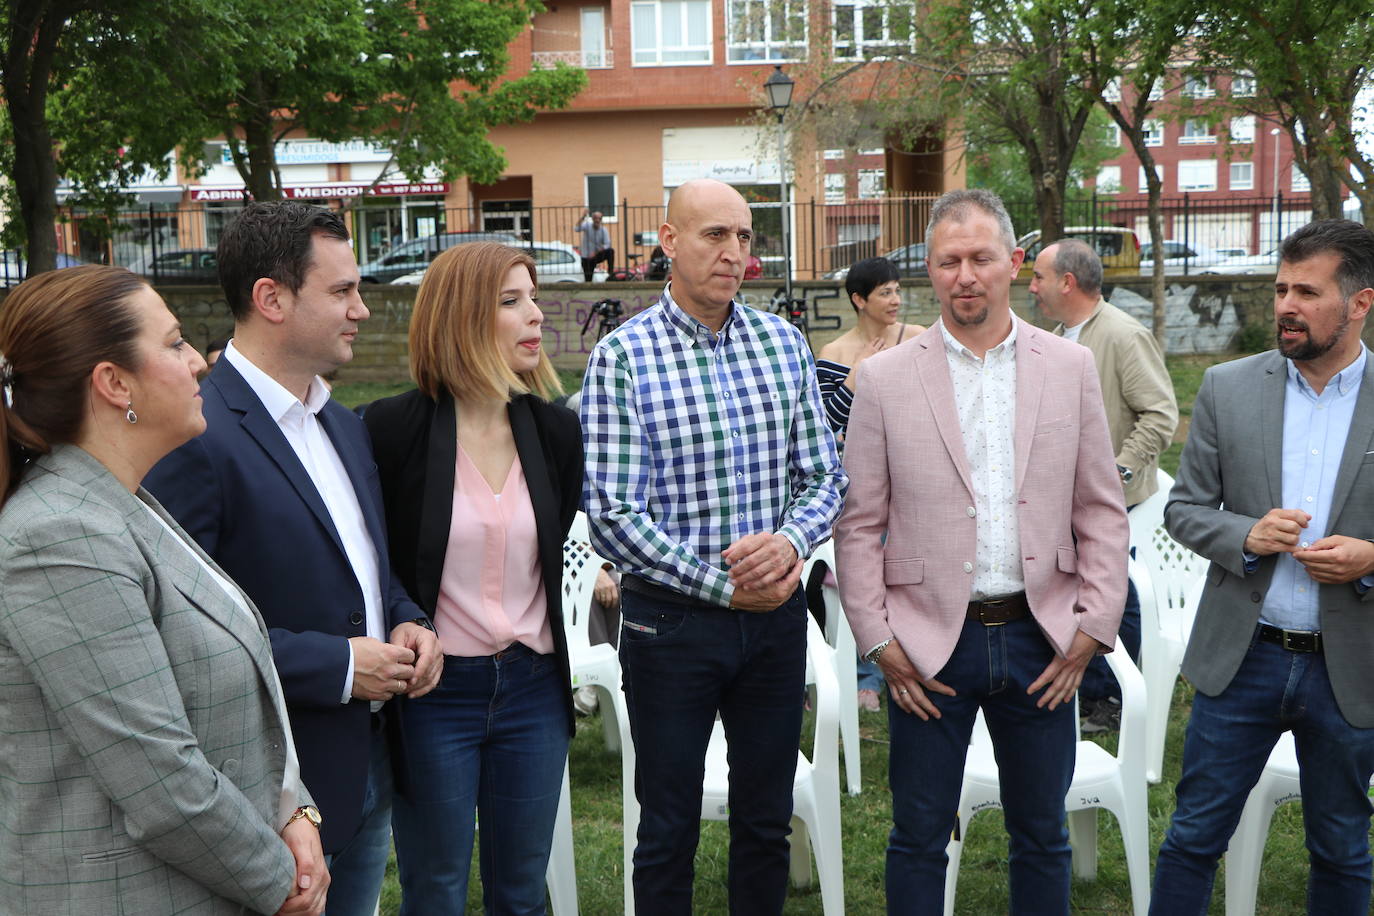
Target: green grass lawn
column 866, row 817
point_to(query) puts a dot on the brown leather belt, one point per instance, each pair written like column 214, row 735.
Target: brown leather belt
column 994, row 612
column 1292, row 640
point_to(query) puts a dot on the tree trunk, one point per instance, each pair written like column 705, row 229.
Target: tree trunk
column 1155, row 187
column 1326, row 186
column 261, row 160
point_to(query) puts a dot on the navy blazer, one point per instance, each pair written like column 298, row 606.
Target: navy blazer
column 416, row 443
column 242, row 493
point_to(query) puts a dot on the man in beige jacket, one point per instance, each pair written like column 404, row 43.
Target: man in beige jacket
column 1141, row 415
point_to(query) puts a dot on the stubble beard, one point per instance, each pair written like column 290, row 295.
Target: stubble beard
column 1301, row 351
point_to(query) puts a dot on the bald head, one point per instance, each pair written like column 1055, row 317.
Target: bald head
column 707, row 235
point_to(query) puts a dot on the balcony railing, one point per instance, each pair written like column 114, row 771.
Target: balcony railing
column 587, row 60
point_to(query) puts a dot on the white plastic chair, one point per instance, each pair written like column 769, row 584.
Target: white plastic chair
column 815, row 789
column 1099, row 781
column 561, row 875
column 590, row 665
column 1277, row 785
column 1167, row 607
column 841, row 640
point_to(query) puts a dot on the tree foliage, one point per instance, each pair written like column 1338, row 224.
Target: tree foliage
column 1310, row 62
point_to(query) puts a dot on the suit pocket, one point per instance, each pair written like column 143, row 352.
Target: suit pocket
column 1053, row 426
column 904, row 572
column 1067, row 559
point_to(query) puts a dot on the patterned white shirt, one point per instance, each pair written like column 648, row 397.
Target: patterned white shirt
column 985, row 395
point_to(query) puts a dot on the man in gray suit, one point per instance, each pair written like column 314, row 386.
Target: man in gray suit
column 1276, row 488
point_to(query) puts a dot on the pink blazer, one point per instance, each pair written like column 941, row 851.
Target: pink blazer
column 909, row 477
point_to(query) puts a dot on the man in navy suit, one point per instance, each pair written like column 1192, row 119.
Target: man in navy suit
column 282, row 491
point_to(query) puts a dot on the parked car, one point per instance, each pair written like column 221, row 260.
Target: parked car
column 13, row 268
column 1118, row 248
column 416, row 254
column 1179, row 257
column 179, row 265
column 1266, row 263
column 910, row 261
column 556, row 262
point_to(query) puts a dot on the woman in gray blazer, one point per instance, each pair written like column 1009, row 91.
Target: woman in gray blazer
column 146, row 762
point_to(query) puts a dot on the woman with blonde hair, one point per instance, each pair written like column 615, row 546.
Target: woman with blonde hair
column 481, row 477
column 146, row 764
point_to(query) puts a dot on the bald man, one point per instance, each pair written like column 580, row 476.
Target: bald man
column 711, row 474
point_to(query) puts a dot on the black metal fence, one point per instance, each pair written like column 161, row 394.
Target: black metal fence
column 176, row 244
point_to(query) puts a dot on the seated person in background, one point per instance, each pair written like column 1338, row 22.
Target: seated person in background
column 874, row 289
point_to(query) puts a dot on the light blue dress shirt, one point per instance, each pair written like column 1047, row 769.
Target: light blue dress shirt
column 1315, row 427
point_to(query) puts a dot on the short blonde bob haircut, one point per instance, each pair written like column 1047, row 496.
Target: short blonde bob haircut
column 453, row 327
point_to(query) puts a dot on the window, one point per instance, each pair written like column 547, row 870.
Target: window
column 1154, row 132
column 872, row 183
column 666, row 32
column 1109, row 179
column 1197, row 130
column 834, row 187
column 601, row 195
column 1112, row 91
column 1243, row 129
column 1298, row 181
column 834, row 154
column 868, row 29
column 1114, row 138
column 593, row 38
column 766, row 30
column 1141, row 186
column 1198, row 87
column 1197, row 175
column 1157, row 90
column 1243, row 85
column 1242, row 176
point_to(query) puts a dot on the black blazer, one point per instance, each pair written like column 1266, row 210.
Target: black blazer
column 415, row 441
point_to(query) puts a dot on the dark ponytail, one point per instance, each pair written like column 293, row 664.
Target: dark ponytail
column 54, row 329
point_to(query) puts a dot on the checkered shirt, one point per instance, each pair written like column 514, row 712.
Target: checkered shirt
column 696, row 439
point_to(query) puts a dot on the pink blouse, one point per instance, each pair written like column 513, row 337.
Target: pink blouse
column 491, row 593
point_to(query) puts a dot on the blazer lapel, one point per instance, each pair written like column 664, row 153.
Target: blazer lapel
column 1271, row 425
column 932, row 366
column 528, row 447
column 1030, row 385
column 1357, row 443
column 257, row 423
column 436, row 505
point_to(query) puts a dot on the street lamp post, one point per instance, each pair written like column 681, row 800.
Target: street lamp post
column 779, row 89
column 1274, row 229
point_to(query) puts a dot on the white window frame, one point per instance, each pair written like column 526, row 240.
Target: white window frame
column 614, row 215
column 656, row 52
column 1242, row 184
column 836, row 186
column 1242, row 129
column 1109, row 179
column 766, row 47
column 1188, row 167
column 1297, row 181
column 1198, row 87
column 1154, row 131
column 1196, row 131
column 1140, row 177
column 1243, row 85
column 1156, row 90
column 871, row 184
column 864, row 46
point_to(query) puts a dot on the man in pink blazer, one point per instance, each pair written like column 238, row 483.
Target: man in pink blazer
column 981, row 556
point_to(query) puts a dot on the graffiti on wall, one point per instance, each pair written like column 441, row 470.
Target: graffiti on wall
column 1198, row 319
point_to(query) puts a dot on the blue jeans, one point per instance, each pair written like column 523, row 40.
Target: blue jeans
column 683, row 662
column 1098, row 680
column 491, row 740
column 1035, row 748
column 356, row 871
column 1229, row 739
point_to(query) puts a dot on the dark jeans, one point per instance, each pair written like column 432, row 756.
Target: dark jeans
column 683, row 662
column 1098, row 681
column 357, row 870
column 491, row 740
column 1035, row 748
column 1229, row 739
column 605, row 255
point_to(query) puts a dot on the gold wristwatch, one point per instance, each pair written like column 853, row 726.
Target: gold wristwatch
column 310, row 813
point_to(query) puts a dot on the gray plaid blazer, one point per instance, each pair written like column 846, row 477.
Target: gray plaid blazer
column 141, row 752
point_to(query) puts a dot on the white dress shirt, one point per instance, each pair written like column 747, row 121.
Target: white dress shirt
column 985, row 396
column 300, row 423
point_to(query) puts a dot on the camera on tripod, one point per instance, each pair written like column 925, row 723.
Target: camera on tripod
column 610, row 311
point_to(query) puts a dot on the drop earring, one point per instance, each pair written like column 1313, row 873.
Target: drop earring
column 130, row 415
